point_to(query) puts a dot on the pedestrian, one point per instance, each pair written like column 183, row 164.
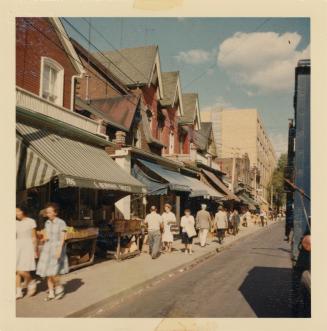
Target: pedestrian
column 203, row 220
column 188, row 230
column 26, row 251
column 235, row 218
column 169, row 220
column 221, row 223
column 262, row 217
column 53, row 260
column 230, row 224
column 155, row 227
column 246, row 218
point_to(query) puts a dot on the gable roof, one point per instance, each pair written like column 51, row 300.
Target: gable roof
column 169, row 82
column 191, row 109
column 131, row 65
column 201, row 137
column 65, row 40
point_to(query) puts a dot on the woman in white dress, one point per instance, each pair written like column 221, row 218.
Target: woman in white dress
column 26, row 252
column 169, row 219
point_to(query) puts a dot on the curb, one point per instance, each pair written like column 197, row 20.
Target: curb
column 110, row 302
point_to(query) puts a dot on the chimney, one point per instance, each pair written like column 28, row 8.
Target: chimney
column 120, row 138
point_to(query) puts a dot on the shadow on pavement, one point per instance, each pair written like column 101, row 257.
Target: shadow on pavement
column 269, row 291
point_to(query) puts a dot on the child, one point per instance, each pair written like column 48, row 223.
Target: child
column 53, row 259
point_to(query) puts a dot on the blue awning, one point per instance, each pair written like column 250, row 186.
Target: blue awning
column 179, row 182
column 153, row 186
column 174, row 180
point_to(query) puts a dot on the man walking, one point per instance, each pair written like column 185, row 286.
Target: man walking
column 235, row 221
column 203, row 220
column 221, row 223
column 155, row 225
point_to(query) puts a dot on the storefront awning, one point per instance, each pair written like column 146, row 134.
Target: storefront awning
column 180, row 182
column 43, row 154
column 248, row 200
column 216, row 181
column 174, row 180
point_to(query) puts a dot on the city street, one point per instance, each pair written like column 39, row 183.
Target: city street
column 251, row 279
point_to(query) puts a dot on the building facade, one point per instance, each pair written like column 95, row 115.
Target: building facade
column 242, row 131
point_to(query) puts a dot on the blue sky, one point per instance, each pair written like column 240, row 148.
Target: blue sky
column 230, row 62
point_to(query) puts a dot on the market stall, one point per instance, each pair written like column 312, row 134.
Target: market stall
column 79, row 176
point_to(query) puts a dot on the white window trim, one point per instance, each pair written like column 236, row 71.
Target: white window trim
column 46, row 60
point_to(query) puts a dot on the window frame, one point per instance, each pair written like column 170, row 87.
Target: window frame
column 60, row 79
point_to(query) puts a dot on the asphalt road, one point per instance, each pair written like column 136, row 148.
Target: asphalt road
column 250, row 279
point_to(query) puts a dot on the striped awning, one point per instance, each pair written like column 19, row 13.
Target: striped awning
column 31, row 169
column 43, row 154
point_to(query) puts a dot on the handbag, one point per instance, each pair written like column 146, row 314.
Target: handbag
column 190, row 231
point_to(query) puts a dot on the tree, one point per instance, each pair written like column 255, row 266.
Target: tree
column 277, row 182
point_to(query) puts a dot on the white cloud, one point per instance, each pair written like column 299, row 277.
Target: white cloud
column 263, row 61
column 194, row 56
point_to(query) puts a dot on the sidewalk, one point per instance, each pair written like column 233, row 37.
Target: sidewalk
column 89, row 288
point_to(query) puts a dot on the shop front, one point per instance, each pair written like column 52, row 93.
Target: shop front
column 53, row 165
column 165, row 184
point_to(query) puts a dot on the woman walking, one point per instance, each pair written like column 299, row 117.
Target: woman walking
column 188, row 230
column 26, row 251
column 169, row 219
column 53, row 259
column 221, row 224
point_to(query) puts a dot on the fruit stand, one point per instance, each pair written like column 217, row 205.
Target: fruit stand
column 81, row 245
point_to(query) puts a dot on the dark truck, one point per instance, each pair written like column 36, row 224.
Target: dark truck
column 297, row 187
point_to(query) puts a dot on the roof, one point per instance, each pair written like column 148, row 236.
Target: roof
column 114, row 81
column 201, row 137
column 65, row 40
column 169, row 82
column 135, row 64
column 119, row 110
column 189, row 103
column 76, row 164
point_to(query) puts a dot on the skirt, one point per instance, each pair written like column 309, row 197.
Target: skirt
column 25, row 260
column 186, row 239
column 49, row 264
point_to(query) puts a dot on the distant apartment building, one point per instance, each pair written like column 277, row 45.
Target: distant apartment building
column 241, row 131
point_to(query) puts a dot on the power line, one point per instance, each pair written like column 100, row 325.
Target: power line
column 117, row 50
column 98, row 50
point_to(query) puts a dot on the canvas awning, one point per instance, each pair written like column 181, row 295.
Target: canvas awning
column 43, row 154
column 179, row 182
column 216, row 181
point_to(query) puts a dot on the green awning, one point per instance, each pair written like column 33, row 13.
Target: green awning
column 43, row 154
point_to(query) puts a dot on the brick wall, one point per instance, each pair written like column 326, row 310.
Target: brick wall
column 31, row 45
column 98, row 87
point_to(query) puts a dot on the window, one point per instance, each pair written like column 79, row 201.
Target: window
column 52, row 81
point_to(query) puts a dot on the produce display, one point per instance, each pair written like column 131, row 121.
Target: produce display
column 73, row 233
